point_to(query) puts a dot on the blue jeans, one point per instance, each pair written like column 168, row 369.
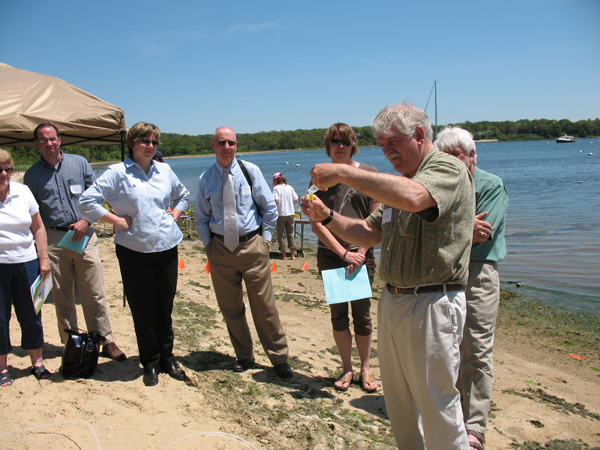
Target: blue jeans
column 15, row 282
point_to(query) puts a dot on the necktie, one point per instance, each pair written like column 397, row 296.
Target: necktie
column 229, row 214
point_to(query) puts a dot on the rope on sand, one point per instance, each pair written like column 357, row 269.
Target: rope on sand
column 204, row 433
column 56, row 423
column 216, row 433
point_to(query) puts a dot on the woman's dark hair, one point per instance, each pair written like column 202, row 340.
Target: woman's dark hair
column 346, row 133
column 281, row 180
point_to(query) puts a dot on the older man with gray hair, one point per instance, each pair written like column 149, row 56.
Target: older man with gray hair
column 483, row 289
column 424, row 224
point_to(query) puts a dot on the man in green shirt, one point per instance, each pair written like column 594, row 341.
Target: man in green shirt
column 425, row 225
column 483, row 289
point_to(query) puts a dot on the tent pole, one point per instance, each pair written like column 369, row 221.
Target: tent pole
column 122, row 133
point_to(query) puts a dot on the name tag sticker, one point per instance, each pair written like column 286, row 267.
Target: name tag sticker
column 246, row 190
column 387, row 215
column 76, row 189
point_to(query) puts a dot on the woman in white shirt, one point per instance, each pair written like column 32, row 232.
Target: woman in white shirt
column 285, row 196
column 140, row 192
column 20, row 223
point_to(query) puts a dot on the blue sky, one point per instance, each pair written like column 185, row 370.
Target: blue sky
column 192, row 66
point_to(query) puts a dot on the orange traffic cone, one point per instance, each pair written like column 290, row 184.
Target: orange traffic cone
column 207, row 269
column 305, row 266
column 181, row 264
column 273, row 268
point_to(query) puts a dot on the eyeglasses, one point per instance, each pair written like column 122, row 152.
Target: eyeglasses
column 6, row 169
column 231, row 143
column 336, row 142
column 44, row 140
column 148, row 141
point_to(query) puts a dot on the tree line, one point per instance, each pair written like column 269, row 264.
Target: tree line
column 173, row 144
column 531, row 130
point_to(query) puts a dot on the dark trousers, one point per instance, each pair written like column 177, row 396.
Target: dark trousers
column 150, row 282
column 15, row 282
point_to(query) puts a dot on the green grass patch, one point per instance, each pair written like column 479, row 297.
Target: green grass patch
column 193, row 322
column 578, row 331
column 557, row 403
column 196, row 284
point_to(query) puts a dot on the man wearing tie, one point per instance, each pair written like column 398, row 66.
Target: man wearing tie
column 235, row 217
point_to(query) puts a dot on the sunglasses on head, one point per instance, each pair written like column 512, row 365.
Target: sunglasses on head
column 336, row 142
column 231, row 143
column 148, row 141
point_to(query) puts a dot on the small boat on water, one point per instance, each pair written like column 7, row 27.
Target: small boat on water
column 564, row 139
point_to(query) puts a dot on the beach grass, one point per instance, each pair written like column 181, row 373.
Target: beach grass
column 575, row 333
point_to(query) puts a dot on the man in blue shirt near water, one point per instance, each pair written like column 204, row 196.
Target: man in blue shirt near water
column 483, row 289
column 57, row 181
column 253, row 214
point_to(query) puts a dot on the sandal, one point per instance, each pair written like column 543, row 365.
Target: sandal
column 40, row 372
column 479, row 436
column 366, row 381
column 5, row 379
column 344, row 378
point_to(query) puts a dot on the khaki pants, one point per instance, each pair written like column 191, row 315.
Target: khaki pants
column 285, row 228
column 476, row 351
column 68, row 268
column 418, row 344
column 250, row 263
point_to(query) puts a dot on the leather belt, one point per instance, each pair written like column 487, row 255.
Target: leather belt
column 58, row 228
column 422, row 289
column 243, row 238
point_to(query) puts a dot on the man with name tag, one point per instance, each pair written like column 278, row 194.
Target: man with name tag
column 235, row 216
column 57, row 181
column 425, row 226
column 483, row 289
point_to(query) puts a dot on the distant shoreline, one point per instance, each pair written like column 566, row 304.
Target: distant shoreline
column 103, row 163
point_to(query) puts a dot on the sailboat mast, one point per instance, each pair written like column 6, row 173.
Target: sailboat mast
column 433, row 89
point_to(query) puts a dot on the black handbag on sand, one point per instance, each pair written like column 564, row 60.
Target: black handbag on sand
column 80, row 354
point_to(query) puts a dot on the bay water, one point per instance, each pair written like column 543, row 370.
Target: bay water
column 553, row 219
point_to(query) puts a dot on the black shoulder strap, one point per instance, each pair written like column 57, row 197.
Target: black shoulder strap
column 249, row 180
column 245, row 172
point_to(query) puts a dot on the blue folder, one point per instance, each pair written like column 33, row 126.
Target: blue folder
column 341, row 288
column 68, row 242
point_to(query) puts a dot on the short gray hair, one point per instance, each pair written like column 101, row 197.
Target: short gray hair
column 451, row 138
column 403, row 118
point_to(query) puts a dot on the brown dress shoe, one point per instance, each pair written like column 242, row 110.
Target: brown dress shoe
column 241, row 365
column 113, row 352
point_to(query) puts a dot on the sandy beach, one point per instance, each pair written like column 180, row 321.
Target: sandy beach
column 541, row 394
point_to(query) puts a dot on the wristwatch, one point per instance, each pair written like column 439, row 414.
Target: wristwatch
column 328, row 219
